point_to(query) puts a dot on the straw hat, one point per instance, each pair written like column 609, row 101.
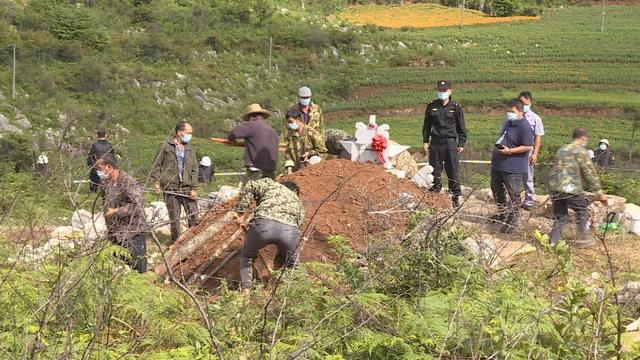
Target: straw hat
column 255, row 109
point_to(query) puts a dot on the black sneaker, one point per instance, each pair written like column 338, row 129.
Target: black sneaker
column 455, row 202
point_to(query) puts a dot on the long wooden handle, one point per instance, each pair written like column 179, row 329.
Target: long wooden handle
column 281, row 147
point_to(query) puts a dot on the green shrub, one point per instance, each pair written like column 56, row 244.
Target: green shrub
column 72, row 24
column 505, row 7
column 16, row 154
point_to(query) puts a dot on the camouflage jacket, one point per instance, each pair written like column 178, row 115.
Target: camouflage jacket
column 126, row 197
column 573, row 172
column 273, row 201
column 297, row 145
column 315, row 128
column 332, row 140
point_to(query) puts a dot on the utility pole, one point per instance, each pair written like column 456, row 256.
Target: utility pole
column 604, row 12
column 302, row 3
column 462, row 14
column 270, row 53
column 13, row 82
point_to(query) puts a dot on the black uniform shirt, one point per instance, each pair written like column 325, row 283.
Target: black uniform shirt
column 444, row 122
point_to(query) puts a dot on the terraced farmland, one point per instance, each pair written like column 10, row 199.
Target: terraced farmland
column 564, row 58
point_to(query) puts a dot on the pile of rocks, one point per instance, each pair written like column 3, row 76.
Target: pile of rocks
column 87, row 228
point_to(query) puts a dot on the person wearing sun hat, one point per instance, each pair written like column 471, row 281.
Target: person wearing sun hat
column 261, row 151
column 313, row 120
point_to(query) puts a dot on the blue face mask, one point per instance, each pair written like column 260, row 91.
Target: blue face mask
column 186, row 138
column 443, row 95
column 292, row 126
column 305, row 101
column 527, row 108
column 102, row 174
column 511, row 116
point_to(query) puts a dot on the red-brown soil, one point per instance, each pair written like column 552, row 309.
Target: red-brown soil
column 361, row 202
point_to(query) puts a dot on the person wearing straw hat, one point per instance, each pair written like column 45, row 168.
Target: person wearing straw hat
column 261, row 151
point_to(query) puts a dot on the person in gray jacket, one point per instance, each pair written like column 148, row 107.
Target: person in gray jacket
column 175, row 173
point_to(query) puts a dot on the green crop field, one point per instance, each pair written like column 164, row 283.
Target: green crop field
column 564, row 58
column 579, row 76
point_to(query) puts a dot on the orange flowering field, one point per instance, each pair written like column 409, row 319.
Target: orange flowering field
column 419, row 16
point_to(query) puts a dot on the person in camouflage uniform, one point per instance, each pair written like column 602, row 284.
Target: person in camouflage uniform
column 572, row 174
column 300, row 146
column 277, row 219
column 123, row 211
column 313, row 120
column 333, row 145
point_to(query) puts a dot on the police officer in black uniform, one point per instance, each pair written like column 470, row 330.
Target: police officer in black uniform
column 444, row 135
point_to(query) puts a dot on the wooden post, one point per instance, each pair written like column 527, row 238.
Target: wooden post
column 604, row 12
column 13, row 85
column 270, row 53
column 462, row 14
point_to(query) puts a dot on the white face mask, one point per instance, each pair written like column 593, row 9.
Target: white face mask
column 603, row 146
column 102, row 174
column 443, row 95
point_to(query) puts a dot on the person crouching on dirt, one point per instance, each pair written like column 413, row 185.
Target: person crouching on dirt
column 277, row 219
column 295, row 139
column 572, row 173
column 510, row 161
column 302, row 149
column 123, row 210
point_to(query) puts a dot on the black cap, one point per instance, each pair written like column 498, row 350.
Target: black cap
column 443, row 85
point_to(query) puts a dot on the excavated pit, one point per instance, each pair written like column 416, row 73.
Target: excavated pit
column 361, row 202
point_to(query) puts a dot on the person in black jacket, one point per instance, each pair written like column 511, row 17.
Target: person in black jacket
column 444, row 135
column 205, row 171
column 98, row 150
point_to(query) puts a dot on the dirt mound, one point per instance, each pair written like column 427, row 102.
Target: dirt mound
column 358, row 201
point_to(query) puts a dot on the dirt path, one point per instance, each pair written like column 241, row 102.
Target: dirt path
column 366, row 91
column 623, row 249
column 588, row 112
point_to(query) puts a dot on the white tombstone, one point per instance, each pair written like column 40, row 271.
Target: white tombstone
column 360, row 149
